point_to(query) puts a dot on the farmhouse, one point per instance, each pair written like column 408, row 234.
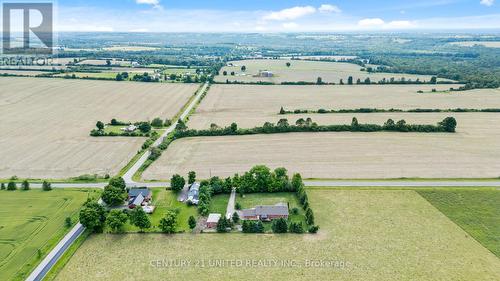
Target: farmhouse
column 130, row 128
column 138, row 197
column 193, row 194
column 265, row 73
column 266, row 212
column 212, row 220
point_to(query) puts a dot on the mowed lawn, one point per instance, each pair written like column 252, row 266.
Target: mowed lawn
column 166, row 200
column 476, row 211
column 32, row 220
column 365, row 235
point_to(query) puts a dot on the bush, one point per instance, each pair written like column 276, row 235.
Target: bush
column 279, row 226
column 313, row 229
column 67, row 222
column 11, row 186
column 25, row 185
column 296, row 227
column 157, row 123
column 237, row 206
column 46, row 186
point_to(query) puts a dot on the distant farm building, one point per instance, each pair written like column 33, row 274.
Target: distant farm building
column 265, row 73
column 266, row 212
column 212, row 220
column 131, row 128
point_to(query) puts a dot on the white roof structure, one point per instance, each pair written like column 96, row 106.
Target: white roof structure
column 214, row 218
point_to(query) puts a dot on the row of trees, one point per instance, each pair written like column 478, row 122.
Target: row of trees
column 378, row 110
column 177, row 182
column 25, row 185
column 306, row 125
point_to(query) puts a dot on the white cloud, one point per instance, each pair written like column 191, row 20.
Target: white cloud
column 154, row 3
column 487, row 2
column 328, row 8
column 290, row 14
column 371, row 22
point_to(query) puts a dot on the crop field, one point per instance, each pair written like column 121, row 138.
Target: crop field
column 102, row 62
column 364, row 235
column 130, row 48
column 308, row 71
column 22, row 72
column 32, row 220
column 42, row 139
column 237, row 103
column 475, row 211
column 473, row 151
column 489, row 44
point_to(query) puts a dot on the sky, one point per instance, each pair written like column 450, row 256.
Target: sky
column 275, row 15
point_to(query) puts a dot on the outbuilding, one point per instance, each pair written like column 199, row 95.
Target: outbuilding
column 212, row 220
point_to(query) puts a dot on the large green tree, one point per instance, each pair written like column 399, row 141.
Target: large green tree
column 116, row 220
column 177, row 182
column 113, row 196
column 93, row 216
column 140, row 219
column 168, row 223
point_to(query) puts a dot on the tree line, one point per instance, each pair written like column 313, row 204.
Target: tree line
column 379, row 110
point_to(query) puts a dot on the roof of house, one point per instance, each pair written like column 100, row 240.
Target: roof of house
column 280, row 209
column 136, row 191
column 213, row 218
column 137, row 200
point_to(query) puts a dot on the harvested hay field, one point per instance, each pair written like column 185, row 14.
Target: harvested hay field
column 251, row 105
column 474, row 151
column 46, row 123
column 364, row 235
column 308, row 71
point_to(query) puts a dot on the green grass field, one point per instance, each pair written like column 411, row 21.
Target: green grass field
column 218, row 204
column 364, row 235
column 31, row 221
column 167, row 200
column 476, row 211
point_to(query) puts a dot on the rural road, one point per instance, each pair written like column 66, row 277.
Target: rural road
column 230, row 204
column 320, row 183
column 130, row 173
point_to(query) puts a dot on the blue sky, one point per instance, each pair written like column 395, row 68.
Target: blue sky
column 275, row 15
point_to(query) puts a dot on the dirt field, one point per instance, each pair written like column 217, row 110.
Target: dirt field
column 364, row 235
column 474, row 151
column 46, row 122
column 307, row 71
column 250, row 105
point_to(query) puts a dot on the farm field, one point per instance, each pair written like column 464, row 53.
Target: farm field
column 102, row 62
column 225, row 104
column 32, row 220
column 472, row 152
column 23, row 72
column 309, row 71
column 51, row 141
column 489, row 44
column 364, row 235
column 475, row 211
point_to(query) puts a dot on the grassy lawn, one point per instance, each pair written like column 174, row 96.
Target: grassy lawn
column 167, row 200
column 252, row 200
column 475, row 211
column 372, row 235
column 31, row 221
column 107, row 75
column 218, row 204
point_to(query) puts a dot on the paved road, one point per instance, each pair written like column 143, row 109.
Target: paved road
column 325, row 183
column 130, row 173
column 230, row 204
column 44, row 267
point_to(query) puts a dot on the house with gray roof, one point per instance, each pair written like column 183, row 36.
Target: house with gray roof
column 266, row 212
column 138, row 196
column 193, row 194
